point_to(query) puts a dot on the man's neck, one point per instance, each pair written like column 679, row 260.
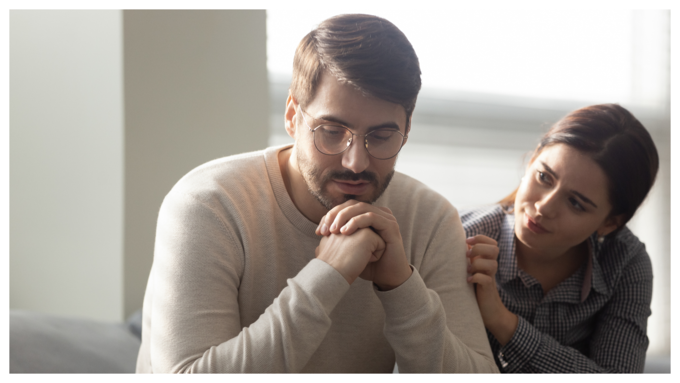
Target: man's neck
column 296, row 187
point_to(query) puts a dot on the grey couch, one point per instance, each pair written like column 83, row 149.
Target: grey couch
column 40, row 343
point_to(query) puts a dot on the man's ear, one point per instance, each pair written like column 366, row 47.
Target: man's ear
column 289, row 115
column 408, row 128
column 609, row 225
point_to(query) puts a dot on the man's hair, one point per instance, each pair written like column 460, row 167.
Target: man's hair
column 367, row 52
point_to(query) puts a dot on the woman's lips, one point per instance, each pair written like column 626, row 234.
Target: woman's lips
column 533, row 226
column 352, row 187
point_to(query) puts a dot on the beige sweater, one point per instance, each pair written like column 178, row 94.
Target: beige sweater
column 235, row 287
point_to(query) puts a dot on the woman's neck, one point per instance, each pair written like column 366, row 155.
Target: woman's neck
column 550, row 266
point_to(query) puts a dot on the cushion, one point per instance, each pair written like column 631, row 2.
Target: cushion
column 41, row 343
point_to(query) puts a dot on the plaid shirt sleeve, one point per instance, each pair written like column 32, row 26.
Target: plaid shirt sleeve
column 619, row 342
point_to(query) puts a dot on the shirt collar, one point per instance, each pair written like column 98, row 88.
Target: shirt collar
column 507, row 262
column 597, row 274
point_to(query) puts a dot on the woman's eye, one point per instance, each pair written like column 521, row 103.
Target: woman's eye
column 542, row 177
column 576, row 205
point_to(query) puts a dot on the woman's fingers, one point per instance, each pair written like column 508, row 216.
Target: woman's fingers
column 484, row 266
column 481, row 239
column 481, row 279
column 483, row 250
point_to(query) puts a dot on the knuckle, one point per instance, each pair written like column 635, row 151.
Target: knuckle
column 342, row 216
column 386, row 209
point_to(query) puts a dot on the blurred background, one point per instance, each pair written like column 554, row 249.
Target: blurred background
column 108, row 109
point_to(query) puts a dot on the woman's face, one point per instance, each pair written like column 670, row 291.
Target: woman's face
column 562, row 200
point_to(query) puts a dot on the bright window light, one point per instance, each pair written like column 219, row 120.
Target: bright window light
column 585, row 55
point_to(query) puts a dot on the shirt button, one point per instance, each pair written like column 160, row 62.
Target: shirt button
column 501, row 358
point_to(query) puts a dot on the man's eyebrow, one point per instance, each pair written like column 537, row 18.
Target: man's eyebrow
column 333, row 119
column 579, row 195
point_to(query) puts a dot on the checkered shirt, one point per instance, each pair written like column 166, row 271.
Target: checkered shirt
column 593, row 321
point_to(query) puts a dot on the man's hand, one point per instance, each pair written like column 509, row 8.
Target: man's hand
column 350, row 255
column 390, row 270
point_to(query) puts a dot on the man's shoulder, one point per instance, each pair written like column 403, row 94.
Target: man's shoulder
column 407, row 195
column 231, row 175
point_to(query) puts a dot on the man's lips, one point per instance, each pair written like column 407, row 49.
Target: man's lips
column 352, row 187
column 533, row 226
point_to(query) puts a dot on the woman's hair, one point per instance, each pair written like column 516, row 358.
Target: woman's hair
column 618, row 143
column 367, row 52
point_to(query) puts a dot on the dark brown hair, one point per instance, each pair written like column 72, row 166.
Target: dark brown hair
column 618, row 143
column 367, row 52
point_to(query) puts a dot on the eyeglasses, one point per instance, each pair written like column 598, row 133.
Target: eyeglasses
column 382, row 144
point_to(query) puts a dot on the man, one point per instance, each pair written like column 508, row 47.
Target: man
column 301, row 258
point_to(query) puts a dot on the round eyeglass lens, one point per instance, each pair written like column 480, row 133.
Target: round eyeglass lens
column 384, row 143
column 381, row 143
column 331, row 139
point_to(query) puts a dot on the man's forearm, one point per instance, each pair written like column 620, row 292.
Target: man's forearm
column 416, row 327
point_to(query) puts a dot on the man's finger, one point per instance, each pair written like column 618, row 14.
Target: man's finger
column 327, row 220
column 387, row 228
column 346, row 214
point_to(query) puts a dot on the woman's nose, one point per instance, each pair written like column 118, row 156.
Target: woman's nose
column 547, row 204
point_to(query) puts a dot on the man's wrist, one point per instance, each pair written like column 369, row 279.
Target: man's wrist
column 398, row 281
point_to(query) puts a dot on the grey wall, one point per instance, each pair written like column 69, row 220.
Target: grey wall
column 108, row 109
column 66, row 163
column 195, row 89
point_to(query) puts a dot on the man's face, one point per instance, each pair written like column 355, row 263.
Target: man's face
column 353, row 174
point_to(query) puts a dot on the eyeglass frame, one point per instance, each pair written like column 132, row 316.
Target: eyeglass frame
column 351, row 140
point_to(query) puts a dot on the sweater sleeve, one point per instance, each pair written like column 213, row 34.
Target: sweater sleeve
column 618, row 344
column 432, row 320
column 195, row 312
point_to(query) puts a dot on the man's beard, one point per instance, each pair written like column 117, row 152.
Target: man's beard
column 316, row 183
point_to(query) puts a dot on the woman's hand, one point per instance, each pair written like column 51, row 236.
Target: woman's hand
column 483, row 264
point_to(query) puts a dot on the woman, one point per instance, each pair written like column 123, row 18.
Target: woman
column 562, row 284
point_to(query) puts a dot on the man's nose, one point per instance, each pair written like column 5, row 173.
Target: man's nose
column 356, row 157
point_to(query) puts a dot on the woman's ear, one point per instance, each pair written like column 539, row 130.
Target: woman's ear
column 609, row 225
column 289, row 115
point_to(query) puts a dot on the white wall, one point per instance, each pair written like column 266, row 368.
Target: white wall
column 108, row 110
column 66, row 163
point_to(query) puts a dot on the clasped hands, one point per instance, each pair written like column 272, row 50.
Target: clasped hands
column 363, row 240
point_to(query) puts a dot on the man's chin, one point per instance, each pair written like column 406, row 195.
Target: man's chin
column 330, row 202
column 346, row 197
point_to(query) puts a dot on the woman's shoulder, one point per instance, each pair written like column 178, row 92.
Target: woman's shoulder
column 625, row 254
column 486, row 220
